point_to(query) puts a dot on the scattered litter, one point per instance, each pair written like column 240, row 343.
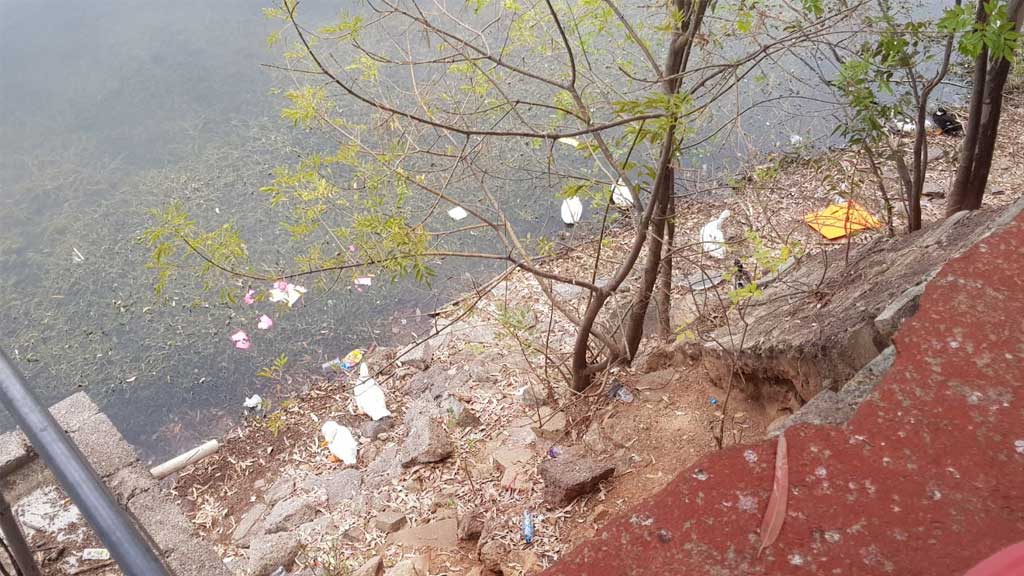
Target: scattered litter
column 95, row 554
column 554, row 452
column 700, row 474
column 796, row 139
column 664, row 535
column 570, row 141
column 253, row 406
column 711, row 237
column 364, row 281
column 713, row 400
column 621, row 195
column 750, row 456
column 528, row 527
column 335, row 364
column 265, row 322
column 77, row 257
column 241, row 340
column 351, row 359
column 286, row 292
column 369, row 396
column 619, row 392
column 340, row 441
column 457, row 213
column 572, row 210
column 1018, row 445
column 837, row 220
column 249, row 297
column 946, row 122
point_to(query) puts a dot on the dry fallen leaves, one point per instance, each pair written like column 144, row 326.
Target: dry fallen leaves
column 775, row 514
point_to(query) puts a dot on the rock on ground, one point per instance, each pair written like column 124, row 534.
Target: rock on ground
column 570, row 476
column 389, row 522
column 442, row 534
column 471, row 525
column 374, row 428
column 270, row 551
column 373, row 567
column 291, row 512
column 342, row 485
column 492, row 554
column 426, row 442
column 244, row 530
column 415, row 567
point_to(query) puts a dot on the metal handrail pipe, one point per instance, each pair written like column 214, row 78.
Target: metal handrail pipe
column 111, row 523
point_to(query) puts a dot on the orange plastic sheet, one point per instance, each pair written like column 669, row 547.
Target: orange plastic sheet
column 838, row 220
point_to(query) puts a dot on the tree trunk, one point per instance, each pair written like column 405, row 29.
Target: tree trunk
column 655, row 237
column 581, row 369
column 663, row 295
column 983, row 123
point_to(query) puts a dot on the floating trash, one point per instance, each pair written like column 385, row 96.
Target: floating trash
column 570, row 141
column 265, row 322
column 700, row 474
column 241, row 340
column 286, row 292
column 363, row 281
column 713, row 401
column 457, row 213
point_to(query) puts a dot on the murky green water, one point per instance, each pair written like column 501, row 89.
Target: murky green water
column 110, row 109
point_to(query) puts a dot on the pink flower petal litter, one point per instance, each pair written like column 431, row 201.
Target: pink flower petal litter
column 249, row 297
column 241, row 340
column 286, row 292
column 265, row 322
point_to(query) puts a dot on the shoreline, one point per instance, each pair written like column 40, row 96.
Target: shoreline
column 482, row 369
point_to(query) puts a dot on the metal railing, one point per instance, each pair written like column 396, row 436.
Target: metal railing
column 128, row 547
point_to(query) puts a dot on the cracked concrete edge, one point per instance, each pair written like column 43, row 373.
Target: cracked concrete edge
column 836, row 408
column 160, row 518
column 71, row 414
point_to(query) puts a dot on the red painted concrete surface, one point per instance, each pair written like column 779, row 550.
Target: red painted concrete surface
column 926, row 479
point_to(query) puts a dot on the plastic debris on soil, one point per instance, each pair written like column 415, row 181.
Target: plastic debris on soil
column 839, row 220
